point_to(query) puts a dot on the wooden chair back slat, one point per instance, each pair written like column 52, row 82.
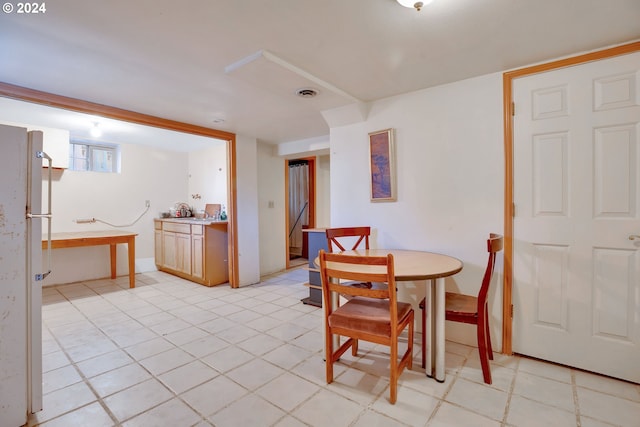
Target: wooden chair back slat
column 336, row 267
column 337, row 236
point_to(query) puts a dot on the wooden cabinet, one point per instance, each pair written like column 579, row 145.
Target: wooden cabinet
column 169, row 251
column 195, row 251
column 183, row 253
column 176, row 247
column 157, row 240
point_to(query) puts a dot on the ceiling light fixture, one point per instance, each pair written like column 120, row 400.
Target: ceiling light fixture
column 415, row 4
column 95, row 130
column 306, row 92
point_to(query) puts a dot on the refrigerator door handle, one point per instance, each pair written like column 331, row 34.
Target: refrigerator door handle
column 42, row 276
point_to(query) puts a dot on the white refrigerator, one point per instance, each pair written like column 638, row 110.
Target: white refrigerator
column 21, row 272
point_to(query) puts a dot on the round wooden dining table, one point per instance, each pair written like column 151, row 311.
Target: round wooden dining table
column 431, row 267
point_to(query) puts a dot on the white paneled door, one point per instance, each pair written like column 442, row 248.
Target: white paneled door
column 576, row 264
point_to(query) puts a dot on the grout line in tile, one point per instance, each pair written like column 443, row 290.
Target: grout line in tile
column 86, row 383
column 442, row 398
column 512, row 386
column 576, row 401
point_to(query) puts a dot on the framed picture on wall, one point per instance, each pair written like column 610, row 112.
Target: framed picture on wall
column 382, row 166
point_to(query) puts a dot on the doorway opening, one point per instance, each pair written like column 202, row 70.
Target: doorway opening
column 57, row 101
column 300, row 177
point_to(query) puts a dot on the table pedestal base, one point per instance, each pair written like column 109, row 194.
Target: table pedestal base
column 434, row 301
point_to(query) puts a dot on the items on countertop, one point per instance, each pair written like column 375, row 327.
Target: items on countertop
column 183, row 210
column 214, row 211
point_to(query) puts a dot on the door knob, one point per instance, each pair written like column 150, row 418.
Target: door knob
column 634, row 237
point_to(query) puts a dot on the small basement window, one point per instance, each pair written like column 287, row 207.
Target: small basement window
column 89, row 156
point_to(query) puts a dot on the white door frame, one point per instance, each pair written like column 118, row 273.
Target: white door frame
column 507, row 86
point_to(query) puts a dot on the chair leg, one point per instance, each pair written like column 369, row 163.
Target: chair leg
column 410, row 343
column 328, row 345
column 424, row 334
column 393, row 375
column 482, row 350
column 354, row 347
column 488, row 333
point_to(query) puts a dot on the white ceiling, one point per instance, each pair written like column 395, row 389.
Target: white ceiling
column 241, row 61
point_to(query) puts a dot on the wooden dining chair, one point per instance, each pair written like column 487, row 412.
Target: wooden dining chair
column 472, row 309
column 337, row 239
column 372, row 315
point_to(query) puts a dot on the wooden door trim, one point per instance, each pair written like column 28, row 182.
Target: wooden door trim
column 507, row 109
column 312, row 201
column 232, row 213
column 287, row 264
column 73, row 104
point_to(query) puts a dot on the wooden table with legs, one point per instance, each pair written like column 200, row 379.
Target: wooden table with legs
column 433, row 268
column 74, row 239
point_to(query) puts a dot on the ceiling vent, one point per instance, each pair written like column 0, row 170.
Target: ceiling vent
column 306, row 92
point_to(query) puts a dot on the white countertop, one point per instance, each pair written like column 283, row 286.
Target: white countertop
column 191, row 220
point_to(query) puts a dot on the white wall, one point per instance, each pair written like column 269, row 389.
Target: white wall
column 147, row 174
column 247, row 210
column 450, row 166
column 208, row 176
column 272, row 231
column 323, row 191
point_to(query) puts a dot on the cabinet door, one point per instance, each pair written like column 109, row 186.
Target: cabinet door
column 170, row 254
column 157, row 242
column 183, row 253
column 197, row 250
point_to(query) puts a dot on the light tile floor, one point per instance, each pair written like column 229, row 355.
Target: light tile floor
column 174, row 353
